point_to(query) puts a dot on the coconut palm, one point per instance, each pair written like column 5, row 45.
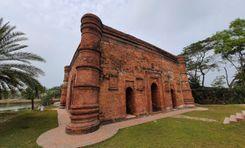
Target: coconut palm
column 16, row 70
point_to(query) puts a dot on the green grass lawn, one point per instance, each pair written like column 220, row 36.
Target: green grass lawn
column 172, row 132
column 24, row 128
column 4, row 116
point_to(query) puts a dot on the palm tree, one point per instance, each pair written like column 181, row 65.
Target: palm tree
column 16, row 70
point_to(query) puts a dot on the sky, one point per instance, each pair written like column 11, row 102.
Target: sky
column 53, row 26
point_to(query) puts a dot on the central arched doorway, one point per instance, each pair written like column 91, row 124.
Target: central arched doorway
column 129, row 101
column 174, row 102
column 154, row 98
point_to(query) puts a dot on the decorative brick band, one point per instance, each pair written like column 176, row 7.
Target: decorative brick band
column 84, row 111
column 87, row 106
column 90, row 49
column 87, row 86
column 186, row 89
column 89, row 67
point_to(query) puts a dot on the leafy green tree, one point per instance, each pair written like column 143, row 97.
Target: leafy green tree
column 53, row 92
column 16, row 70
column 230, row 43
column 199, row 61
column 227, row 45
column 32, row 92
column 29, row 94
column 223, row 50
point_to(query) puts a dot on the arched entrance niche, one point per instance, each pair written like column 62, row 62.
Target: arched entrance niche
column 129, row 101
column 155, row 97
column 173, row 97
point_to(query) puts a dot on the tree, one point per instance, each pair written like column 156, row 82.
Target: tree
column 218, row 82
column 230, row 43
column 16, row 70
column 32, row 92
column 29, row 94
column 199, row 60
column 227, row 45
column 224, row 51
column 53, row 92
column 194, row 82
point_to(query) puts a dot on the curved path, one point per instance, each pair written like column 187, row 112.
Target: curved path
column 57, row 138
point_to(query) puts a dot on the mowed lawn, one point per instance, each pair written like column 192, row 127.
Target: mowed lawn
column 186, row 133
column 22, row 130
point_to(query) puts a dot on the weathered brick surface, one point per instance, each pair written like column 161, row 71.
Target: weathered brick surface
column 106, row 64
column 64, row 87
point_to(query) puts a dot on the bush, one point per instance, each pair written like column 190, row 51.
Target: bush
column 49, row 94
column 217, row 95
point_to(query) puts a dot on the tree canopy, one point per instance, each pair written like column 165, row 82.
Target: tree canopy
column 224, row 53
column 227, row 45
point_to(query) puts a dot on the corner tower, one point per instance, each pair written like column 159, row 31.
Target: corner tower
column 64, row 87
column 185, row 86
column 84, row 107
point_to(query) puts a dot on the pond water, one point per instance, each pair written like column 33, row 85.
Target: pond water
column 14, row 107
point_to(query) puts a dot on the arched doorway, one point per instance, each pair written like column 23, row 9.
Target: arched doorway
column 129, row 101
column 154, row 97
column 174, row 102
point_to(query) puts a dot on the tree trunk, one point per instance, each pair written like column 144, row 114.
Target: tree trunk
column 203, row 79
column 226, row 78
column 32, row 104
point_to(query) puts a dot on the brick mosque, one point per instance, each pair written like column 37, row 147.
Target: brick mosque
column 113, row 76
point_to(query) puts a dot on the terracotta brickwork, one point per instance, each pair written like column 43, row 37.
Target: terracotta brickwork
column 113, row 74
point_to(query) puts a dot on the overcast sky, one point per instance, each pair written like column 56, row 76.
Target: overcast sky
column 53, row 26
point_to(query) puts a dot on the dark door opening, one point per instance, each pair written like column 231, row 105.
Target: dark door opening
column 154, row 97
column 174, row 102
column 129, row 101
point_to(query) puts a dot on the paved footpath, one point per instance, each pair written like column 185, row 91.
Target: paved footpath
column 57, row 138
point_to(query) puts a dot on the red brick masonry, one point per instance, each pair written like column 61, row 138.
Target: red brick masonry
column 113, row 74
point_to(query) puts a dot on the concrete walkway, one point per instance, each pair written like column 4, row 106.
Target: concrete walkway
column 57, row 138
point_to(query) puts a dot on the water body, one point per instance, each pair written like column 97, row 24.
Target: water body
column 14, row 107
